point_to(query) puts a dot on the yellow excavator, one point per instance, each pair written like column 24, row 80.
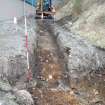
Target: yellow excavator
column 45, row 9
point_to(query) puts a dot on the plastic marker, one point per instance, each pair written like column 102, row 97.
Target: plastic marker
column 15, row 20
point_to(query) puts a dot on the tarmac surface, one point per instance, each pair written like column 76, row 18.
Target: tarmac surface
column 13, row 8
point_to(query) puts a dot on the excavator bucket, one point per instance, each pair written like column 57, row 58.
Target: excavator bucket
column 44, row 10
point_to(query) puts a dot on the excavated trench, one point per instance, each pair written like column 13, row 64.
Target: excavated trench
column 50, row 73
column 52, row 83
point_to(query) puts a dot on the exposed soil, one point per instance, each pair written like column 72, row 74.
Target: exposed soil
column 47, row 96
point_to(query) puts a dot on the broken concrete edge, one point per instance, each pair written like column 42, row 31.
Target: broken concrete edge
column 13, row 96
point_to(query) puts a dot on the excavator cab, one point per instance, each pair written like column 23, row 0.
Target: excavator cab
column 44, row 9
